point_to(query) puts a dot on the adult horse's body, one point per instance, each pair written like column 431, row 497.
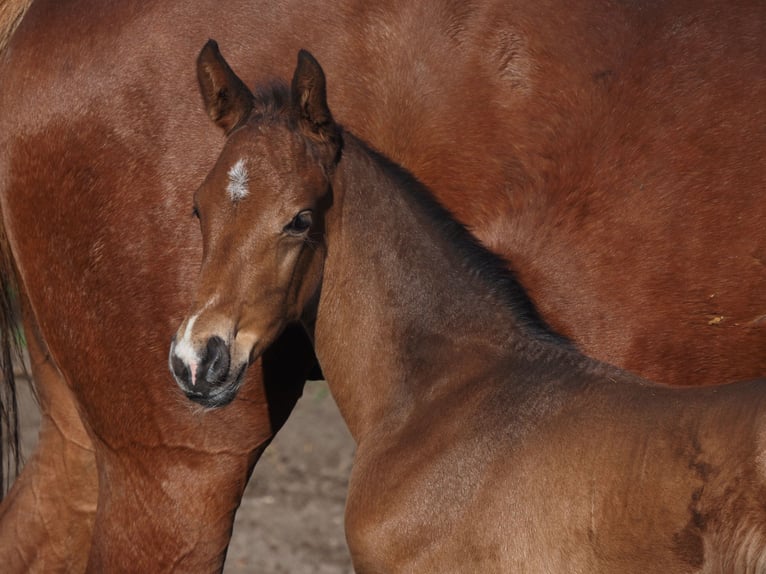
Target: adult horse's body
column 613, row 150
column 484, row 442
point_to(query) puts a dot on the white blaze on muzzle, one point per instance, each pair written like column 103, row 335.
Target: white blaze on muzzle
column 184, row 349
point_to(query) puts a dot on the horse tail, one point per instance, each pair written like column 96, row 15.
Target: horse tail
column 10, row 354
column 11, row 13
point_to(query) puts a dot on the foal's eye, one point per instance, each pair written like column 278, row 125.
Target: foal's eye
column 300, row 224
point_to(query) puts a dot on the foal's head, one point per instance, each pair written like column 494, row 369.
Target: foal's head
column 261, row 214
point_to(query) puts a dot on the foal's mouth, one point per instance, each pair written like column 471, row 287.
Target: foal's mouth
column 226, row 392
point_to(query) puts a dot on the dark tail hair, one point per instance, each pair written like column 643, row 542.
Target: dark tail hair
column 11, row 13
column 10, row 354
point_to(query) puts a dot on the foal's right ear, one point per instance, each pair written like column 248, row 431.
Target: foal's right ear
column 227, row 99
column 308, row 93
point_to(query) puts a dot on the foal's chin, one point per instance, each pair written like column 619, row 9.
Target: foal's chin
column 220, row 395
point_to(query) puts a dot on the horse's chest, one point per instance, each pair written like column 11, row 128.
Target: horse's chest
column 420, row 508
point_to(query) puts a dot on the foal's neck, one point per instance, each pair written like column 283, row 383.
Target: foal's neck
column 403, row 300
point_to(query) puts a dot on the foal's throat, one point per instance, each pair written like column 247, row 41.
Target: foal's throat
column 399, row 300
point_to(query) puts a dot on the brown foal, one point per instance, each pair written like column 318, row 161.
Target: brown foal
column 485, row 441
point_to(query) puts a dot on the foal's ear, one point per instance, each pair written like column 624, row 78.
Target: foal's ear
column 227, row 99
column 309, row 99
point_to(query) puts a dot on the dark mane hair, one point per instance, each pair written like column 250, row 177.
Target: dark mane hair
column 272, row 101
column 495, row 271
column 271, row 104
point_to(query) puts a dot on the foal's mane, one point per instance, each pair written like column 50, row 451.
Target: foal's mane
column 272, row 102
column 495, row 271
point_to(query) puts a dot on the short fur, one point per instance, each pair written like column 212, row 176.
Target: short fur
column 610, row 149
column 484, row 443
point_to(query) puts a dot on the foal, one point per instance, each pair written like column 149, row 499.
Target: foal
column 485, row 442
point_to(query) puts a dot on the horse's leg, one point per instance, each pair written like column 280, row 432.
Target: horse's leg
column 180, row 505
column 179, row 498
column 46, row 520
column 180, row 493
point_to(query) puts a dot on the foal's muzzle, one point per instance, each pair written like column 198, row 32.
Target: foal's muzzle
column 208, row 381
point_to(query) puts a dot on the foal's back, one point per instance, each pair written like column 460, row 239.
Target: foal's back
column 585, row 469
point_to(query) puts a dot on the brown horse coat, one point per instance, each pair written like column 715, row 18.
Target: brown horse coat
column 613, row 150
column 484, row 442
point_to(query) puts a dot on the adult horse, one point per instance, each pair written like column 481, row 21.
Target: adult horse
column 485, row 443
column 612, row 149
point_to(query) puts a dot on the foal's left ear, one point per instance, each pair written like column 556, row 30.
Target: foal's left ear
column 309, row 100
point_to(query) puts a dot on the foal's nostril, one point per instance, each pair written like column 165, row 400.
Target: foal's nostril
column 215, row 366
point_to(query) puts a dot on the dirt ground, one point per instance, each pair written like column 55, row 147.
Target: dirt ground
column 291, row 518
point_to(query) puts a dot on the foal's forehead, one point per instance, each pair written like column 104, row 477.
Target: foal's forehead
column 259, row 157
column 261, row 145
column 238, row 182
